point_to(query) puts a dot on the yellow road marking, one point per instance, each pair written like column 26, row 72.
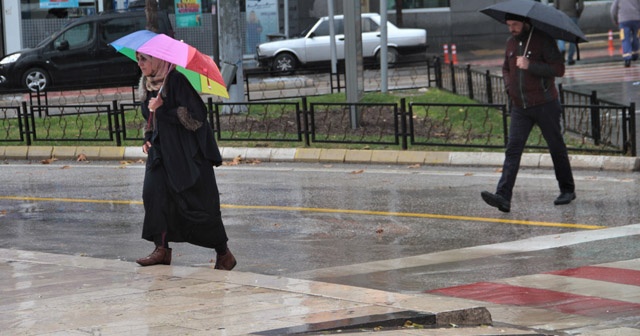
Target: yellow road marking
column 330, row 210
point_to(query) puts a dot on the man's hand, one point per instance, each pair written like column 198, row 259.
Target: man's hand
column 522, row 62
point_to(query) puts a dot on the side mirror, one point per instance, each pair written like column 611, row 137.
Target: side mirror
column 64, row 45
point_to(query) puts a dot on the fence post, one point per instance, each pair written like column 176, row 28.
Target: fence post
column 469, row 81
column 246, row 85
column 632, row 128
column 437, row 69
column 595, row 118
column 27, row 130
column 403, row 123
column 505, row 125
column 563, row 115
column 453, row 78
column 213, row 117
column 487, row 79
column 305, row 122
column 116, row 114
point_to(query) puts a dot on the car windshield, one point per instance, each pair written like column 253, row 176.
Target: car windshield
column 306, row 30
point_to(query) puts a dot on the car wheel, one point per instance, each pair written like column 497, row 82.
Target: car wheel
column 35, row 79
column 284, row 63
column 392, row 56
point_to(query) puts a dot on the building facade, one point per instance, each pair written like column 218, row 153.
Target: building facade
column 26, row 22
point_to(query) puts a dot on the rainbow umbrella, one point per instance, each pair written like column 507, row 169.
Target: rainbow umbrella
column 200, row 69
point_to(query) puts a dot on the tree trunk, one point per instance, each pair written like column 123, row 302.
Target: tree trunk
column 151, row 10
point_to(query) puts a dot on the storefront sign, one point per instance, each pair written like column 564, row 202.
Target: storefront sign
column 188, row 13
column 59, row 3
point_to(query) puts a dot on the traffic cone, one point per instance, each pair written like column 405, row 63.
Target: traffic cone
column 446, row 53
column 454, row 54
column 611, row 50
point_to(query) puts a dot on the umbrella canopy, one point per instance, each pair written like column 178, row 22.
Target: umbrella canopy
column 543, row 17
column 200, row 69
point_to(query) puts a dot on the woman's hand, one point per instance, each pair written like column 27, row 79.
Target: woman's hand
column 155, row 103
column 146, row 147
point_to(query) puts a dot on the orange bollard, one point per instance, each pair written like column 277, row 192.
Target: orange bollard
column 611, row 50
column 446, row 54
column 454, row 54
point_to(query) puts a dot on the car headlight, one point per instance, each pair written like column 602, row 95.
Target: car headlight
column 10, row 59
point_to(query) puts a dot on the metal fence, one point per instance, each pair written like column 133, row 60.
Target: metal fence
column 283, row 114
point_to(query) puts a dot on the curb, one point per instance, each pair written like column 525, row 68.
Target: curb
column 322, row 155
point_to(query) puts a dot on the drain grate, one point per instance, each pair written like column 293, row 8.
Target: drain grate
column 390, row 320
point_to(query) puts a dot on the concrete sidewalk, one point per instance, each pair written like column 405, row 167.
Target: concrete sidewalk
column 56, row 294
column 324, row 155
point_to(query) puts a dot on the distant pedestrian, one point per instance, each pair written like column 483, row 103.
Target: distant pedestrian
column 573, row 9
column 626, row 16
column 532, row 61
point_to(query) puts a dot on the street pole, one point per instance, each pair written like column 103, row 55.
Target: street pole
column 214, row 26
column 383, row 48
column 332, row 42
column 353, row 57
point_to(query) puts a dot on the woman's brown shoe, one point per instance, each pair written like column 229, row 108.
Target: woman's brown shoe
column 225, row 262
column 160, row 255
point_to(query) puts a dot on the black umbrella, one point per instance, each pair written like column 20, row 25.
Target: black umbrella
column 543, row 17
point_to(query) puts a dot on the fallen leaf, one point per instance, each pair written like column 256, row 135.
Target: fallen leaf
column 65, row 167
column 81, row 157
column 48, row 161
column 236, row 161
column 3, row 212
column 468, row 174
column 417, row 165
column 379, row 231
column 358, row 171
column 327, row 166
column 125, row 162
column 499, row 170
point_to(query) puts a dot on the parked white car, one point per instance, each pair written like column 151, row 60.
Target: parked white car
column 313, row 45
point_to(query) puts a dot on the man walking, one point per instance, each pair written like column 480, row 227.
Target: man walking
column 573, row 9
column 626, row 16
column 532, row 61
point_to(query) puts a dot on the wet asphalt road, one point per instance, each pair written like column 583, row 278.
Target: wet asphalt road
column 301, row 220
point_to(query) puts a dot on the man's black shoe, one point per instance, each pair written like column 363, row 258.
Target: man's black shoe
column 565, row 198
column 496, row 200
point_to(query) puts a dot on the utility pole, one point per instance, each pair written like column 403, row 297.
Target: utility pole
column 353, row 57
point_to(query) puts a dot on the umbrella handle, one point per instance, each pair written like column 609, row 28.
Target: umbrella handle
column 526, row 47
column 171, row 67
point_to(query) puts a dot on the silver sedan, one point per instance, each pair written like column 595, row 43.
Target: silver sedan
column 313, row 45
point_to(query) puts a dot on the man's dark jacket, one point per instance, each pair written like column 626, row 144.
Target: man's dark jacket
column 535, row 85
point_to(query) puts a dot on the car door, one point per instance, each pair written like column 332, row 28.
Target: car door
column 115, row 67
column 370, row 37
column 318, row 46
column 71, row 56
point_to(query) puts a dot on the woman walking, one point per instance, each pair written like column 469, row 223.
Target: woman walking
column 180, row 192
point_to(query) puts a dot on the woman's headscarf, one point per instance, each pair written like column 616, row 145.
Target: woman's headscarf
column 159, row 70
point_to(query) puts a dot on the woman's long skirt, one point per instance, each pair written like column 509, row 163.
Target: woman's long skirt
column 191, row 216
